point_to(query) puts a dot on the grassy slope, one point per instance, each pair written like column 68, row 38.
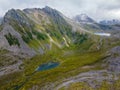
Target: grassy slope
column 70, row 65
column 71, row 62
column 71, row 59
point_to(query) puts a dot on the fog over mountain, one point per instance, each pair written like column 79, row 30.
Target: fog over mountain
column 97, row 9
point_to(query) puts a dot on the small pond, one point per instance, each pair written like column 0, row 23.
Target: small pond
column 47, row 66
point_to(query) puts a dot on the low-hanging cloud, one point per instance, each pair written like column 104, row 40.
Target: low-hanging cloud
column 97, row 9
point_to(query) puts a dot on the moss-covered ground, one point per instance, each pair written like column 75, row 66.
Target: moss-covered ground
column 72, row 60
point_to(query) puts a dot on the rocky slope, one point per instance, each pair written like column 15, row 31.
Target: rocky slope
column 95, row 78
column 23, row 31
column 31, row 37
column 28, row 32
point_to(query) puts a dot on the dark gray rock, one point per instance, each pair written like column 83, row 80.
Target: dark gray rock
column 16, row 15
column 24, row 49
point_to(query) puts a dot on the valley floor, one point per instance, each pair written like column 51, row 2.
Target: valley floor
column 78, row 70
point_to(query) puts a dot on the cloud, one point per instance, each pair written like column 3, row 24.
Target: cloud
column 97, row 9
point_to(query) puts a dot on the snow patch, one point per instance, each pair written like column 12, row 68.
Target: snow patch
column 103, row 34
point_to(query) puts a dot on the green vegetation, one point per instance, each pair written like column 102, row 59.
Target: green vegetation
column 71, row 62
column 53, row 31
column 84, row 50
column 7, row 80
column 12, row 40
column 40, row 36
column 26, row 38
column 70, row 65
column 80, row 38
column 34, row 44
column 58, row 27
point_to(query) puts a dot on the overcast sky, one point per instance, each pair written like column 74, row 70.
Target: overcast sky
column 97, row 9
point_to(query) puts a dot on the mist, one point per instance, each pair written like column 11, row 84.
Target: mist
column 97, row 9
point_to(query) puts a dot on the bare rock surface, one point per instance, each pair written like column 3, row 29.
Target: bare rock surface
column 24, row 48
column 10, row 69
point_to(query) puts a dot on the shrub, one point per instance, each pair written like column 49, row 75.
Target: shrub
column 12, row 40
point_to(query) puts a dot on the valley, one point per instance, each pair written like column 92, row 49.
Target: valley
column 41, row 49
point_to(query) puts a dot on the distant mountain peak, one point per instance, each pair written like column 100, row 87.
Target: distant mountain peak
column 47, row 7
column 15, row 15
column 28, row 10
column 110, row 22
column 9, row 14
column 83, row 18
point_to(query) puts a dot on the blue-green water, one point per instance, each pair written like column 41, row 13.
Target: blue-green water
column 42, row 67
column 47, row 66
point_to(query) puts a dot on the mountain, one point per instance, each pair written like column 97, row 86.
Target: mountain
column 30, row 32
column 91, row 25
column 23, row 31
column 83, row 18
column 41, row 49
column 87, row 23
column 110, row 22
column 25, row 34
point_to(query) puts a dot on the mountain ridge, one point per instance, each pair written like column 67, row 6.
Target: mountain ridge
column 35, row 26
column 83, row 18
column 32, row 38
